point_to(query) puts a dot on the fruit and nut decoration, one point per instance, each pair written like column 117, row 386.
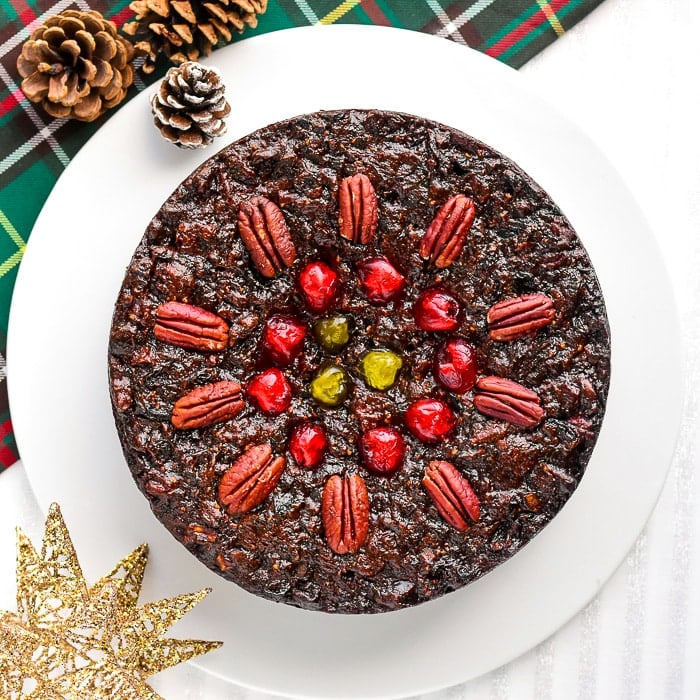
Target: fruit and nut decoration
column 283, row 337
column 358, row 360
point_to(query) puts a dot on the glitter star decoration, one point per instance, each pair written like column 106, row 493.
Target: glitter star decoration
column 68, row 641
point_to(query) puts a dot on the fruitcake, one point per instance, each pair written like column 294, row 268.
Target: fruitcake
column 359, row 358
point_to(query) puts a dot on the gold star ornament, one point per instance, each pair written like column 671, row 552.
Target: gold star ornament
column 68, row 641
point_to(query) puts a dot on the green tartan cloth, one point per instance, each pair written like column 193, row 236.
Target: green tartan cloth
column 34, row 148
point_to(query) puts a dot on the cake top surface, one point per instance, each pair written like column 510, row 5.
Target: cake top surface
column 358, row 360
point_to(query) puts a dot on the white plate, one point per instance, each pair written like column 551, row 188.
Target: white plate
column 57, row 354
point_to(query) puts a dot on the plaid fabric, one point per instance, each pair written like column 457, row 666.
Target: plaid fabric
column 34, row 148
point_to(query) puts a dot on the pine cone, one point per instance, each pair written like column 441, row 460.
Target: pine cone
column 76, row 65
column 190, row 106
column 187, row 29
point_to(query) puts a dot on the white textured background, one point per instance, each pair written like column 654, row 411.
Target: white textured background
column 629, row 75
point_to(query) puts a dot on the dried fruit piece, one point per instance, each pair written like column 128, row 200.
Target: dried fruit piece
column 270, row 391
column 379, row 368
column 452, row 494
column 208, row 404
column 513, row 318
column 333, row 333
column 330, row 386
column 437, row 310
column 345, row 513
column 358, row 214
column 443, row 241
column 430, row 420
column 265, row 234
column 380, row 280
column 308, row 444
column 509, row 401
column 319, row 285
column 455, row 365
column 283, row 338
column 382, row 449
column 190, row 327
column 251, row 479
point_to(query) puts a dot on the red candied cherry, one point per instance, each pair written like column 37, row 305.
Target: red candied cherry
column 283, row 338
column 270, row 391
column 308, row 444
column 382, row 450
column 380, row 280
column 319, row 285
column 437, row 310
column 430, row 420
column 455, row 365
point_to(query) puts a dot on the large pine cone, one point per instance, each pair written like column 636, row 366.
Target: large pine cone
column 76, row 65
column 190, row 106
column 185, row 30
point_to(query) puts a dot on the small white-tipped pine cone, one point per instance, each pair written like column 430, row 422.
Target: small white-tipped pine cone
column 190, row 105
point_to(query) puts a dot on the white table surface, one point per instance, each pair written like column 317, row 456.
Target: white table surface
column 629, row 75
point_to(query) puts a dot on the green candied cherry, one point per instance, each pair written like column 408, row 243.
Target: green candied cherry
column 379, row 368
column 333, row 333
column 330, row 386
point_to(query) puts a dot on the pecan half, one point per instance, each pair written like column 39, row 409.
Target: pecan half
column 358, row 213
column 513, row 318
column 190, row 327
column 508, row 400
column 208, row 404
column 452, row 494
column 345, row 513
column 251, row 479
column 266, row 236
column 444, row 239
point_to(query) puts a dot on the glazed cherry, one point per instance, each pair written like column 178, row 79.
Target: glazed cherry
column 430, row 420
column 379, row 368
column 270, row 391
column 283, row 338
column 437, row 310
column 380, row 280
column 382, row 450
column 308, row 444
column 333, row 333
column 319, row 285
column 455, row 365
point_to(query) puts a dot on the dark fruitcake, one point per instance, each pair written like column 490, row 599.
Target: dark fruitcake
column 358, row 360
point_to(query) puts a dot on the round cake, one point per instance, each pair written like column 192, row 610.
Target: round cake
column 358, row 360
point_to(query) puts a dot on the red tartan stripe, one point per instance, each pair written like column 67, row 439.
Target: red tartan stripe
column 25, row 13
column 7, row 456
column 11, row 101
column 375, row 13
column 5, row 429
column 27, row 16
column 524, row 29
column 122, row 16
